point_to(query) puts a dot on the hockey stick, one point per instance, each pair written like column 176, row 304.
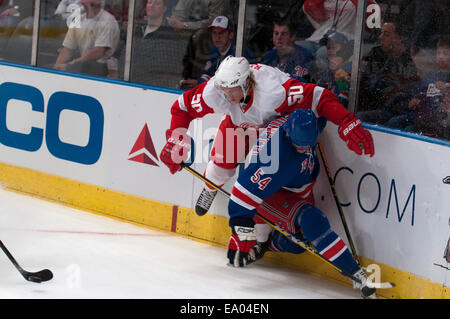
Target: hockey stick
column 39, row 276
column 336, row 200
column 276, row 227
column 290, row 236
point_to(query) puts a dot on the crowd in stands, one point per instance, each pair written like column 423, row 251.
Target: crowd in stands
column 404, row 69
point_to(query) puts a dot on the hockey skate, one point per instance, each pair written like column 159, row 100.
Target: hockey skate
column 366, row 291
column 204, row 201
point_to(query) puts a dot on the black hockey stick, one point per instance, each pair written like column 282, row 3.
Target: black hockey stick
column 275, row 226
column 304, row 245
column 39, row 276
column 338, row 204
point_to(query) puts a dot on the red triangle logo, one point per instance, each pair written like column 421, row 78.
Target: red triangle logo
column 143, row 158
column 144, row 142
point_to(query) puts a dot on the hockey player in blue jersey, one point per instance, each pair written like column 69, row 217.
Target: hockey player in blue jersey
column 281, row 191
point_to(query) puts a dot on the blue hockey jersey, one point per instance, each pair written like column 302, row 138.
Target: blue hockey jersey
column 274, row 164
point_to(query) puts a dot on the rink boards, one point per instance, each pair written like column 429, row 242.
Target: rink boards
column 94, row 144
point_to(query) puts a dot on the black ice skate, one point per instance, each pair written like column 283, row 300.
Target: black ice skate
column 204, row 201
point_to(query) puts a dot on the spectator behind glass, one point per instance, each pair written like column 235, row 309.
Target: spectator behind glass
column 11, row 13
column 430, row 108
column 223, row 45
column 193, row 15
column 329, row 16
column 286, row 55
column 95, row 38
column 336, row 77
column 387, row 78
column 155, row 12
column 157, row 49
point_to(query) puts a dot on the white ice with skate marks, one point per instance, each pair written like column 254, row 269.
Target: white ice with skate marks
column 92, row 256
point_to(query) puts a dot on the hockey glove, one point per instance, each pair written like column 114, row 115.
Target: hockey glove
column 176, row 150
column 258, row 251
column 358, row 139
column 242, row 239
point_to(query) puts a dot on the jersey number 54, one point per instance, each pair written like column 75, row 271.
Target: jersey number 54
column 262, row 183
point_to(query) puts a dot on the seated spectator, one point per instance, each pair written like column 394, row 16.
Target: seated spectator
column 331, row 16
column 193, row 15
column 430, row 109
column 157, row 49
column 387, row 78
column 95, row 39
column 155, row 11
column 286, row 55
column 259, row 29
column 327, row 17
column 336, row 77
column 223, row 45
column 11, row 13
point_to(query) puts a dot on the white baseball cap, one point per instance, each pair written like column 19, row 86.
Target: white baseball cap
column 221, row 22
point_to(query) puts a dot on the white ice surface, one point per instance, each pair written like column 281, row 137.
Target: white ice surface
column 92, row 257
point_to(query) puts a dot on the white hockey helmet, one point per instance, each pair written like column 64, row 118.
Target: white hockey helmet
column 232, row 72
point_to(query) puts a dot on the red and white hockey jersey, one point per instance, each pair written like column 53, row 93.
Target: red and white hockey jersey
column 274, row 94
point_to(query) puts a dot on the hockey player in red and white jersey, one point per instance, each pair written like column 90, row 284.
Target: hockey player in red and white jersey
column 249, row 96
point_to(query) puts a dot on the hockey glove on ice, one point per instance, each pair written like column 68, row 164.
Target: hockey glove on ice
column 242, row 239
column 176, row 150
column 358, row 139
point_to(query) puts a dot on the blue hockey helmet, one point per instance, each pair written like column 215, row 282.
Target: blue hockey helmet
column 302, row 127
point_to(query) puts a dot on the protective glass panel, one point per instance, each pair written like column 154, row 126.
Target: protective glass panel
column 311, row 40
column 172, row 44
column 82, row 37
column 404, row 78
column 16, row 30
